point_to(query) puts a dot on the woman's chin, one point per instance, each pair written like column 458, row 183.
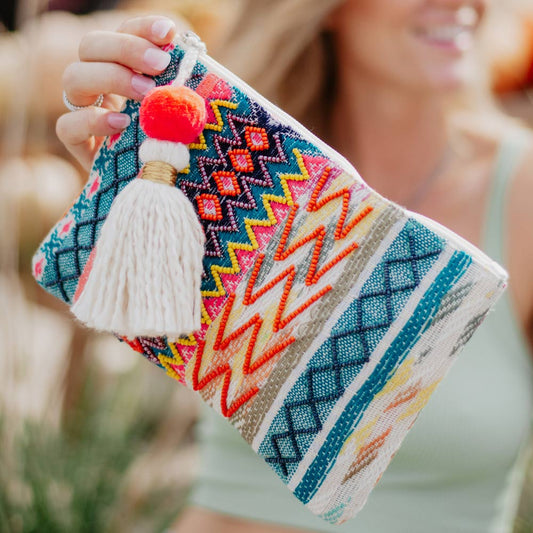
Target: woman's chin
column 451, row 78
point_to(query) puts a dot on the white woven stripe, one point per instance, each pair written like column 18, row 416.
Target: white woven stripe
column 435, row 369
column 367, row 369
column 431, row 368
column 324, row 334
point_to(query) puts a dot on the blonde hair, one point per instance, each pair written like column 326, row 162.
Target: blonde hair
column 280, row 48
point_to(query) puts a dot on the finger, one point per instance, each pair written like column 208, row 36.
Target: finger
column 83, row 82
column 156, row 29
column 113, row 102
column 128, row 50
column 80, row 131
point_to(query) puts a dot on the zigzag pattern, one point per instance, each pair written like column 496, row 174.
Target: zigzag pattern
column 255, row 323
column 281, row 319
column 245, row 200
column 230, row 223
column 250, row 223
column 348, row 348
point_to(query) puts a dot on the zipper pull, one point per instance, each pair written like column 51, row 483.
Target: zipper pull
column 194, row 47
column 191, row 40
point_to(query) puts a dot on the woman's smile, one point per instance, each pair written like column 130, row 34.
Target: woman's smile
column 451, row 31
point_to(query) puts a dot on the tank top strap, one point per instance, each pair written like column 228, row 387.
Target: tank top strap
column 494, row 243
column 509, row 156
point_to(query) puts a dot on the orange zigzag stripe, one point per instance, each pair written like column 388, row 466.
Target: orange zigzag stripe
column 290, row 274
column 319, row 233
column 248, row 368
column 341, row 231
column 255, row 323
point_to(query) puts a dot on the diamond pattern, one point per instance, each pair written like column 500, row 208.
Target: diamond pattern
column 70, row 259
column 227, row 183
column 209, row 207
column 241, row 160
column 256, row 138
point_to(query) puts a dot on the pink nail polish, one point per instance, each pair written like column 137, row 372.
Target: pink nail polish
column 118, row 121
column 161, row 27
column 142, row 84
column 156, row 59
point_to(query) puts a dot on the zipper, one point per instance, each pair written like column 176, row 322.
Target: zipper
column 190, row 40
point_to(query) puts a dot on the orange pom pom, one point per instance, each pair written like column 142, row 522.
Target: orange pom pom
column 170, row 113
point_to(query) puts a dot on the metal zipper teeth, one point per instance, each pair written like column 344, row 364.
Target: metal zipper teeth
column 284, row 118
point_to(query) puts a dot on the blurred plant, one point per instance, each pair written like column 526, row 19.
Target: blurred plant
column 74, row 478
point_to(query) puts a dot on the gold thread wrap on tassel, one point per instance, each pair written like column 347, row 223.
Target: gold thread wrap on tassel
column 159, row 172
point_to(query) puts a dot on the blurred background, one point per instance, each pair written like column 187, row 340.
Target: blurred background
column 93, row 438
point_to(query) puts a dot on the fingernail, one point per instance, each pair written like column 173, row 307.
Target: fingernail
column 118, row 120
column 156, row 59
column 142, row 84
column 161, row 27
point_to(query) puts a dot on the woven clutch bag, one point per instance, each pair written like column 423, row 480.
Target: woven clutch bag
column 327, row 315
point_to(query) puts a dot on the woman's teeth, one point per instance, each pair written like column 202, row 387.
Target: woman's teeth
column 451, row 35
column 467, row 16
column 456, row 32
column 444, row 33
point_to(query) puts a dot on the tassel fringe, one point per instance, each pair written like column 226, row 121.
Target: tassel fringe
column 146, row 275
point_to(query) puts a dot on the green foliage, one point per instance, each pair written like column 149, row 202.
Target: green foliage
column 71, row 479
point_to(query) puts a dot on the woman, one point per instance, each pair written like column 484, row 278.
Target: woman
column 397, row 65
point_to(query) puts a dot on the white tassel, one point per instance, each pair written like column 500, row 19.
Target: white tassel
column 146, row 276
column 143, row 279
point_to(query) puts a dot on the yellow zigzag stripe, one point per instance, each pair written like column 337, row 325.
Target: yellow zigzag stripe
column 202, row 145
column 215, row 105
column 249, row 223
column 168, row 361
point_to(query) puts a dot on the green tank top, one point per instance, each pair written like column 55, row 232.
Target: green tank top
column 460, row 468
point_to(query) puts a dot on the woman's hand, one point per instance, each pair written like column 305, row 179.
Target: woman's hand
column 116, row 64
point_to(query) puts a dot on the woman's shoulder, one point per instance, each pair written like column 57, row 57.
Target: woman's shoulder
column 519, row 218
